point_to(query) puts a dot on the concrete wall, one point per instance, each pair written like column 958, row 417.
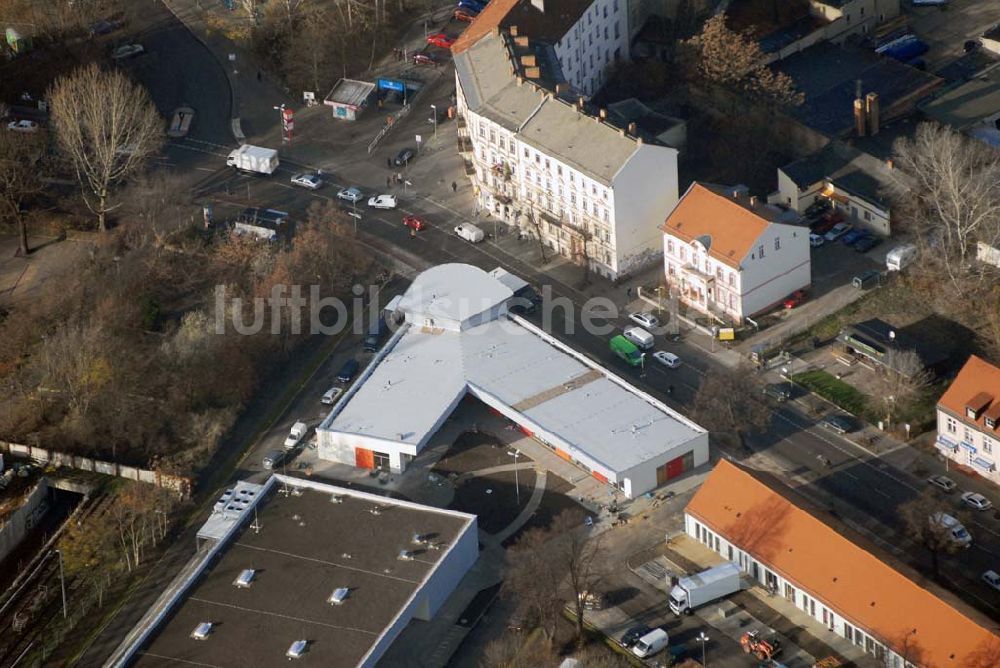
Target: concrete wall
column 645, row 192
column 17, row 526
column 769, row 279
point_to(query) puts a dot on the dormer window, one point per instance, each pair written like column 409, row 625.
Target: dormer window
column 977, row 404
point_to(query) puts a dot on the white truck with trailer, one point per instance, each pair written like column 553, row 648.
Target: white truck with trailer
column 256, row 159
column 696, row 590
column 295, row 436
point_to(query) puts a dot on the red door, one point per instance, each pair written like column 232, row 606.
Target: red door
column 600, row 477
column 364, row 459
column 675, row 467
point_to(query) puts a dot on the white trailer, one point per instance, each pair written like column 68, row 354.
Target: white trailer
column 900, row 256
column 297, row 433
column 470, row 233
column 255, row 159
column 705, row 587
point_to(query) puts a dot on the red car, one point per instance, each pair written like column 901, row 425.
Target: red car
column 795, row 299
column 462, row 15
column 415, row 223
column 424, row 59
column 441, row 40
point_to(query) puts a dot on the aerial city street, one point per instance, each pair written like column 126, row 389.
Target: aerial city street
column 571, row 333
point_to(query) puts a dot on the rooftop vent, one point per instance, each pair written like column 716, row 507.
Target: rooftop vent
column 405, row 555
column 376, row 510
column 245, row 579
column 338, row 596
column 201, row 631
column 419, row 539
column 297, row 649
column 345, row 555
column 336, row 498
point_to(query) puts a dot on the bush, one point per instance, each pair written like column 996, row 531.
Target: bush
column 833, row 389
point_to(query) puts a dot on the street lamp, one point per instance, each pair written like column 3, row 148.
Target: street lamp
column 434, row 111
column 62, row 582
column 703, row 639
column 281, row 116
column 517, row 485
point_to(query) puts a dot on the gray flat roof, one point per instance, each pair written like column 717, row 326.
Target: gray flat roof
column 490, row 89
column 305, row 548
column 450, row 292
column 969, row 103
column 350, row 92
column 419, row 380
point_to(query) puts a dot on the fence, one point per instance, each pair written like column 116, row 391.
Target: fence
column 388, row 126
column 175, row 483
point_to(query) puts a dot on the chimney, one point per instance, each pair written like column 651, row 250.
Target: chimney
column 631, row 129
column 521, row 41
column 871, row 107
column 753, row 200
column 520, row 80
column 496, row 31
column 532, row 72
column 603, row 113
column 859, row 117
column 539, row 5
column 528, row 60
column 579, row 103
column 889, row 164
column 512, row 30
column 736, row 193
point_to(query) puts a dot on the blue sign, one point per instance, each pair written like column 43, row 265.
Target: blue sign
column 391, row 84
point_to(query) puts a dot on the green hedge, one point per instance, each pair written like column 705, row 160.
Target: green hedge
column 833, row 389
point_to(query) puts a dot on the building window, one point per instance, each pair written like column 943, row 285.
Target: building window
column 605, row 216
column 968, row 435
column 868, row 215
column 718, row 274
column 525, row 153
column 559, row 170
column 951, row 426
column 493, row 137
column 670, row 270
column 616, row 37
column 732, row 279
column 684, row 253
column 987, row 446
column 482, row 131
column 547, row 164
column 760, row 252
column 777, row 243
column 670, row 246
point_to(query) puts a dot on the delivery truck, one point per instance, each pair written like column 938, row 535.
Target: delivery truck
column 296, row 434
column 696, row 590
column 626, row 350
column 470, row 233
column 256, row 159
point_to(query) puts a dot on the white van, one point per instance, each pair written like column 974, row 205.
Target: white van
column 651, row 643
column 639, row 337
column 900, row 256
column 470, row 233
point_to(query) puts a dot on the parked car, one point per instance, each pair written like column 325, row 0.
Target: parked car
column 822, row 226
column 943, row 482
column 382, row 202
column 778, row 391
column 632, row 636
column 347, row 371
column 424, row 59
column 795, row 299
column 644, row 319
column 23, row 126
column 104, row 27
column 817, row 208
column 127, row 51
column 473, row 6
column 816, row 240
column 866, row 279
column 403, row 157
column 464, row 14
column 330, row 396
column 976, row 501
column 852, row 236
column 414, row 223
column 865, row 244
column 351, row 194
column 669, row 360
column 837, row 231
column 956, row 531
column 272, row 459
column 992, row 579
column 840, row 424
column 441, row 40
column 308, row 180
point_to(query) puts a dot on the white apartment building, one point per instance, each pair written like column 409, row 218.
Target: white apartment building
column 968, row 416
column 599, row 38
column 594, row 193
column 846, row 586
column 729, row 255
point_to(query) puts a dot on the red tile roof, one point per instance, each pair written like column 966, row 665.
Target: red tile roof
column 548, row 26
column 846, row 577
column 977, row 383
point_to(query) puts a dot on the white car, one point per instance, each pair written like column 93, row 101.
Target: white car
column 952, row 528
column 180, row 122
column 22, row 126
column 331, row 395
column 668, row 360
column 976, row 501
column 815, row 240
column 382, row 202
column 351, row 194
column 992, row 579
column 310, row 181
column 837, row 231
column 647, row 320
column 127, row 51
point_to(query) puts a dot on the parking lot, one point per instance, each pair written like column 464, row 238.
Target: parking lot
column 946, row 29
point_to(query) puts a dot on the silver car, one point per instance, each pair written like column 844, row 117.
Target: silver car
column 647, row 320
column 310, row 181
column 351, row 194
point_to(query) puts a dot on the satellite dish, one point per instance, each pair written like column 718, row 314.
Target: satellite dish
column 892, row 335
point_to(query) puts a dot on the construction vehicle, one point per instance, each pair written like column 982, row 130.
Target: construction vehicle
column 763, row 649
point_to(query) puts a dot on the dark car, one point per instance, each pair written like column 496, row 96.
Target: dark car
column 840, row 424
column 632, row 636
column 778, row 391
column 865, row 244
column 817, row 208
column 347, row 371
column 371, row 341
column 852, row 236
column 403, row 157
column 866, row 279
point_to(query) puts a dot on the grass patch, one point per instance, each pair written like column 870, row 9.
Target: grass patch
column 833, row 389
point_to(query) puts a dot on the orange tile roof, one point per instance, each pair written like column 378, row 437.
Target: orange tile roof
column 732, row 225
column 487, row 20
column 841, row 574
column 977, row 377
column 548, row 26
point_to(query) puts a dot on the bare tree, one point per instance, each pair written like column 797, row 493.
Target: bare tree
column 950, row 185
column 732, row 401
column 734, row 60
column 533, row 581
column 900, row 382
column 108, row 127
column 535, row 227
column 921, row 518
column 21, row 157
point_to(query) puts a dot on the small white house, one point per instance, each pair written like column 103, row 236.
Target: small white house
column 968, row 416
column 730, row 255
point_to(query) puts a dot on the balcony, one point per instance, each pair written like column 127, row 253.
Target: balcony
column 464, row 144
